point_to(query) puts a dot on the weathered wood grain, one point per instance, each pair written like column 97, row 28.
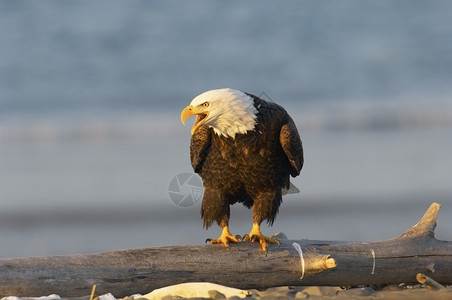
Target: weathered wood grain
column 126, row 272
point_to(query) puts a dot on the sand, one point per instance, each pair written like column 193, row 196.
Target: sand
column 326, row 292
column 214, row 291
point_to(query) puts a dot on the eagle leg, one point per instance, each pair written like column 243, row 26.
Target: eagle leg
column 225, row 238
column 256, row 235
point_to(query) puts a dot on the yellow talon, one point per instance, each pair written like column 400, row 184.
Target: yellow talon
column 256, row 235
column 225, row 238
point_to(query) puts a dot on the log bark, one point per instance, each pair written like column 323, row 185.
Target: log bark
column 300, row 262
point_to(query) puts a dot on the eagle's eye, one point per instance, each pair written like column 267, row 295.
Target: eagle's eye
column 205, row 104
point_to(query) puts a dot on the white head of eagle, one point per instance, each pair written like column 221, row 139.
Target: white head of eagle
column 227, row 111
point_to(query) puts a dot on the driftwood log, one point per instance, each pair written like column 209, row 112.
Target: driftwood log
column 301, row 262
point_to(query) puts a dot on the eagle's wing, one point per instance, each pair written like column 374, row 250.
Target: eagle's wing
column 199, row 147
column 292, row 146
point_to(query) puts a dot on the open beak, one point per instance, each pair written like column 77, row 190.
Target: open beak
column 190, row 111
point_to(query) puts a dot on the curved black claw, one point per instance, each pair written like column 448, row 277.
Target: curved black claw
column 253, row 238
column 262, row 240
column 208, row 240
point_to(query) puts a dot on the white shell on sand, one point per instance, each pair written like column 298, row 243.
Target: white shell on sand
column 195, row 290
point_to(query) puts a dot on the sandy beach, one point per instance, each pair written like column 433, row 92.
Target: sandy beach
column 391, row 292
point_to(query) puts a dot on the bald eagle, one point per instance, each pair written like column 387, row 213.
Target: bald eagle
column 244, row 148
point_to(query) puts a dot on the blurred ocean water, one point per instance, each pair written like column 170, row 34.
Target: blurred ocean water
column 90, row 96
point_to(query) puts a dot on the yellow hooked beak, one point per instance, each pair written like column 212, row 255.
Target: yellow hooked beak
column 186, row 113
column 190, row 111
